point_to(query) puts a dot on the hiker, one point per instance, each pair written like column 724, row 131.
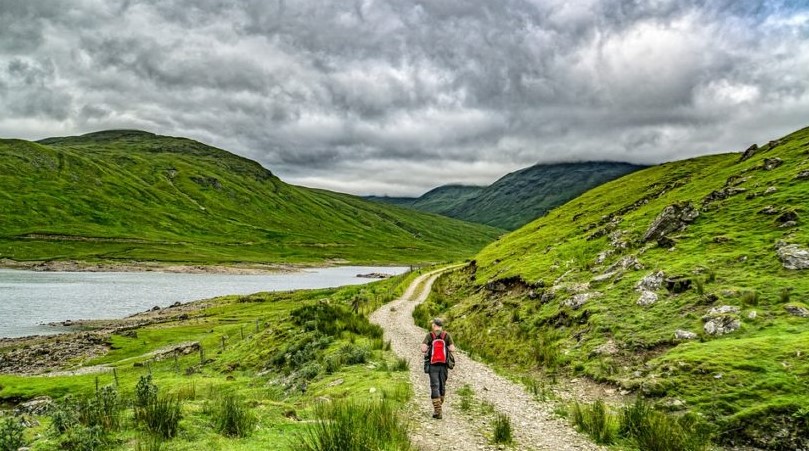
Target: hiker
column 436, row 348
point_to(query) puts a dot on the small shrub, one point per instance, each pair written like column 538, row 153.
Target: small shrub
column 232, row 416
column 83, row 438
column 502, row 429
column 596, row 421
column 750, row 298
column 333, row 364
column 145, row 391
column 103, row 410
column 310, row 371
column 710, row 276
column 11, row 434
column 784, row 295
column 161, row 416
column 352, row 425
column 353, row 354
column 401, row 364
column 656, row 431
column 63, row 418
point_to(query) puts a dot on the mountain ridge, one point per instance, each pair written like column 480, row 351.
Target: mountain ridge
column 221, row 208
column 518, row 197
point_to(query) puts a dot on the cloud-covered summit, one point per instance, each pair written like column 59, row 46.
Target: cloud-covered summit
column 398, row 96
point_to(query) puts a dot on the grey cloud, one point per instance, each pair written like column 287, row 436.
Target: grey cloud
column 345, row 94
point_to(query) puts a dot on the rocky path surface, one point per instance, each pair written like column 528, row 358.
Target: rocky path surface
column 534, row 425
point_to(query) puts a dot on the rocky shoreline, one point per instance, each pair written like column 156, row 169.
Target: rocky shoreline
column 40, row 355
column 141, row 266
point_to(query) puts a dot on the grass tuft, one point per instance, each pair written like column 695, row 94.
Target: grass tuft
column 233, row 417
column 354, row 425
column 596, row 421
column 502, row 429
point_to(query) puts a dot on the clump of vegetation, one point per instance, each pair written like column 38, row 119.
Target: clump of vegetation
column 354, row 425
column 232, row 416
column 597, row 421
column 160, row 415
column 401, row 364
column 466, row 394
column 640, row 424
column 750, row 298
column 784, row 295
column 502, row 429
column 11, row 434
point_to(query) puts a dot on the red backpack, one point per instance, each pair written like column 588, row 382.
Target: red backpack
column 438, row 348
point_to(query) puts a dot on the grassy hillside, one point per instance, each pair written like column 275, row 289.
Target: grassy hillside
column 517, row 198
column 129, row 195
column 441, row 200
column 724, row 332
column 280, row 356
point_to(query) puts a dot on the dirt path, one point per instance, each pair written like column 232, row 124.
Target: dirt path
column 535, row 426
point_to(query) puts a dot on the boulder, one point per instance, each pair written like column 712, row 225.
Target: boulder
column 772, row 163
column 673, row 218
column 793, row 256
column 787, row 216
column 684, row 334
column 803, row 175
column 647, row 298
column 628, row 262
column 651, row 282
column 769, row 210
column 721, row 325
column 579, row 300
column 770, row 190
column 749, row 152
column 722, row 194
column 723, row 309
column 797, row 310
column 40, row 405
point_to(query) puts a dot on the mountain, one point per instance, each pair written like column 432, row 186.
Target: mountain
column 442, row 200
column 685, row 282
column 518, row 197
column 132, row 195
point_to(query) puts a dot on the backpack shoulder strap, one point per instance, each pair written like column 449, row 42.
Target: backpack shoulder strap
column 443, row 335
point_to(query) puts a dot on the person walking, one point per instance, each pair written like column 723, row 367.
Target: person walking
column 437, row 348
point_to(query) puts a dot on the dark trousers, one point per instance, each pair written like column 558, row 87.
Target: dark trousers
column 438, row 380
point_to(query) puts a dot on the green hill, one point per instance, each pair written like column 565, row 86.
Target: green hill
column 518, row 197
column 441, row 200
column 685, row 282
column 131, row 195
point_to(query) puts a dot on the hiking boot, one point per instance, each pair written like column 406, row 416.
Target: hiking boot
column 437, row 408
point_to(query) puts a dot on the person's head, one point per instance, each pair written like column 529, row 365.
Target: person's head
column 437, row 324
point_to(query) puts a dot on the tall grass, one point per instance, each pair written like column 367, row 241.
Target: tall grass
column 232, row 416
column 354, row 426
column 401, row 364
column 649, row 429
column 502, row 429
column 596, row 421
column 161, row 416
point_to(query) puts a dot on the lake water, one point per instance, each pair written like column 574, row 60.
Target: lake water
column 31, row 299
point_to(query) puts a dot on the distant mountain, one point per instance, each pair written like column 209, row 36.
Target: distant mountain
column 133, row 195
column 518, row 197
column 441, row 200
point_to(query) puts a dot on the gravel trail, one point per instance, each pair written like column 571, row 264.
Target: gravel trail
column 534, row 425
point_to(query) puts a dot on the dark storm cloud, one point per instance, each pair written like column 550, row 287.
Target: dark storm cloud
column 398, row 96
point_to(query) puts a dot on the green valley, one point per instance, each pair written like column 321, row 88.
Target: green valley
column 685, row 283
column 135, row 196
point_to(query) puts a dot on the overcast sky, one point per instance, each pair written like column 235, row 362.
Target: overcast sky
column 399, row 96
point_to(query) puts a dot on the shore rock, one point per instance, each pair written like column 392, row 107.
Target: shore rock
column 793, row 256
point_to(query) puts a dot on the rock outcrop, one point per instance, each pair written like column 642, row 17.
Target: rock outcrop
column 684, row 334
column 647, row 298
column 747, row 154
column 797, row 310
column 673, row 218
column 722, row 320
column 792, row 256
column 651, row 282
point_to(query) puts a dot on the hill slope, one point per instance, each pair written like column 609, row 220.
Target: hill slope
column 685, row 281
column 518, row 197
column 441, row 200
column 129, row 195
